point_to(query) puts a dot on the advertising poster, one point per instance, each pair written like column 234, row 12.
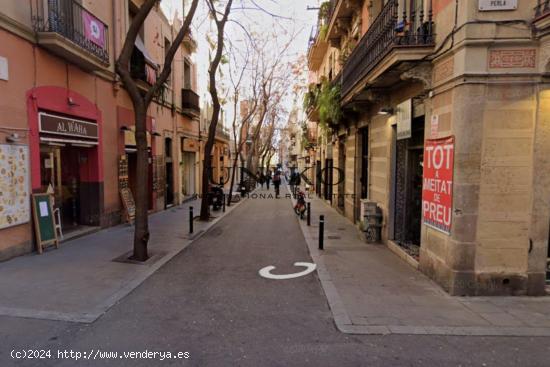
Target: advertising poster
column 14, row 185
column 437, row 186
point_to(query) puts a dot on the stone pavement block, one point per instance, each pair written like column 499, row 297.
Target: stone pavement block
column 481, row 306
column 530, row 318
column 501, row 319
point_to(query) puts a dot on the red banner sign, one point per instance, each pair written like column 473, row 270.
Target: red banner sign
column 437, row 188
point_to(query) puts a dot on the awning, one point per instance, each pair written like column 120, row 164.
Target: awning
column 141, row 47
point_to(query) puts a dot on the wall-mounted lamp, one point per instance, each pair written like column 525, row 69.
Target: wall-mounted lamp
column 124, row 128
column 71, row 102
column 13, row 138
column 386, row 111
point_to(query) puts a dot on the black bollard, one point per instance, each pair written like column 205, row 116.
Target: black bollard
column 321, row 231
column 190, row 219
column 308, row 213
column 223, row 205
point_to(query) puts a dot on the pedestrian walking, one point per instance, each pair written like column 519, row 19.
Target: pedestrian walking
column 291, row 181
column 257, row 177
column 277, row 182
column 267, row 179
column 262, row 180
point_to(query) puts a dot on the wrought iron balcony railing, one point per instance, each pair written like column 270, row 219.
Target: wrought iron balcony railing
column 396, row 26
column 542, row 8
column 190, row 100
column 72, row 21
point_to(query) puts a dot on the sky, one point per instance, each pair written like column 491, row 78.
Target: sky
column 292, row 15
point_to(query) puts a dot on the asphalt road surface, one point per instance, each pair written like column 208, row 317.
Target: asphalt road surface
column 210, row 302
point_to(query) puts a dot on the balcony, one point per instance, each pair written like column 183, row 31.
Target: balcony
column 222, row 133
column 542, row 16
column 317, row 47
column 340, row 15
column 70, row 31
column 190, row 103
column 395, row 40
column 310, row 102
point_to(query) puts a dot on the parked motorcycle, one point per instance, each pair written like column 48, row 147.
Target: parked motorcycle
column 216, row 196
column 300, row 207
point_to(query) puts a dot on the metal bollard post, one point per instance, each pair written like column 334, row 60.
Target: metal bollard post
column 223, row 205
column 190, row 219
column 308, row 213
column 321, row 231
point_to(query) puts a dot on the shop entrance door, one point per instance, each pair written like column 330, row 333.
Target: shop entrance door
column 188, row 174
column 408, row 187
column 318, row 178
column 327, row 179
column 60, row 174
column 341, row 175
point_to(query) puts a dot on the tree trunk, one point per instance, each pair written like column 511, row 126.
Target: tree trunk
column 141, row 233
column 220, row 24
column 235, row 161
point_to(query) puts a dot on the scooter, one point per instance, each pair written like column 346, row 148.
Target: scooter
column 300, row 207
column 216, row 196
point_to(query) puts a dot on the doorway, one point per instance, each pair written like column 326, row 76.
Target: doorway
column 318, row 178
column 327, row 179
column 62, row 167
column 169, row 184
column 409, row 154
column 188, row 174
column 341, row 175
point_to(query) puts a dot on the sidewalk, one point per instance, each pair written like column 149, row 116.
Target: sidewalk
column 82, row 279
column 372, row 291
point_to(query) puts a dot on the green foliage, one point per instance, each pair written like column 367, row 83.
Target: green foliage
column 310, row 97
column 328, row 103
column 323, row 32
column 324, row 9
column 305, row 142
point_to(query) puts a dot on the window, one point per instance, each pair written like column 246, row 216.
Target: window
column 166, row 48
column 187, row 75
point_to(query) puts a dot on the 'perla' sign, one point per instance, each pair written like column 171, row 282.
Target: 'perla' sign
column 58, row 125
column 488, row 5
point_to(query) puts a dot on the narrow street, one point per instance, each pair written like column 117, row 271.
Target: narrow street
column 210, row 301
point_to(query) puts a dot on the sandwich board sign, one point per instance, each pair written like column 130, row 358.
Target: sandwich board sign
column 44, row 222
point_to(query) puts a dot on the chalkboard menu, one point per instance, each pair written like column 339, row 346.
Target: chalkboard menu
column 44, row 222
column 128, row 203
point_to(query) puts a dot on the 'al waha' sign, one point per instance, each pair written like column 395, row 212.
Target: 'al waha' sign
column 57, row 125
column 437, row 185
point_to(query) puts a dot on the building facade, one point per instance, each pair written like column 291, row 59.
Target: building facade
column 67, row 124
column 444, row 109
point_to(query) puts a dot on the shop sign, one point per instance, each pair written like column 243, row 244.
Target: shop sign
column 58, row 125
column 491, row 5
column 190, row 145
column 404, row 117
column 437, row 185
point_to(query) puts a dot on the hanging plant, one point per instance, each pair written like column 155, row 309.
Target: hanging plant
column 310, row 97
column 324, row 8
column 328, row 103
column 323, row 32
